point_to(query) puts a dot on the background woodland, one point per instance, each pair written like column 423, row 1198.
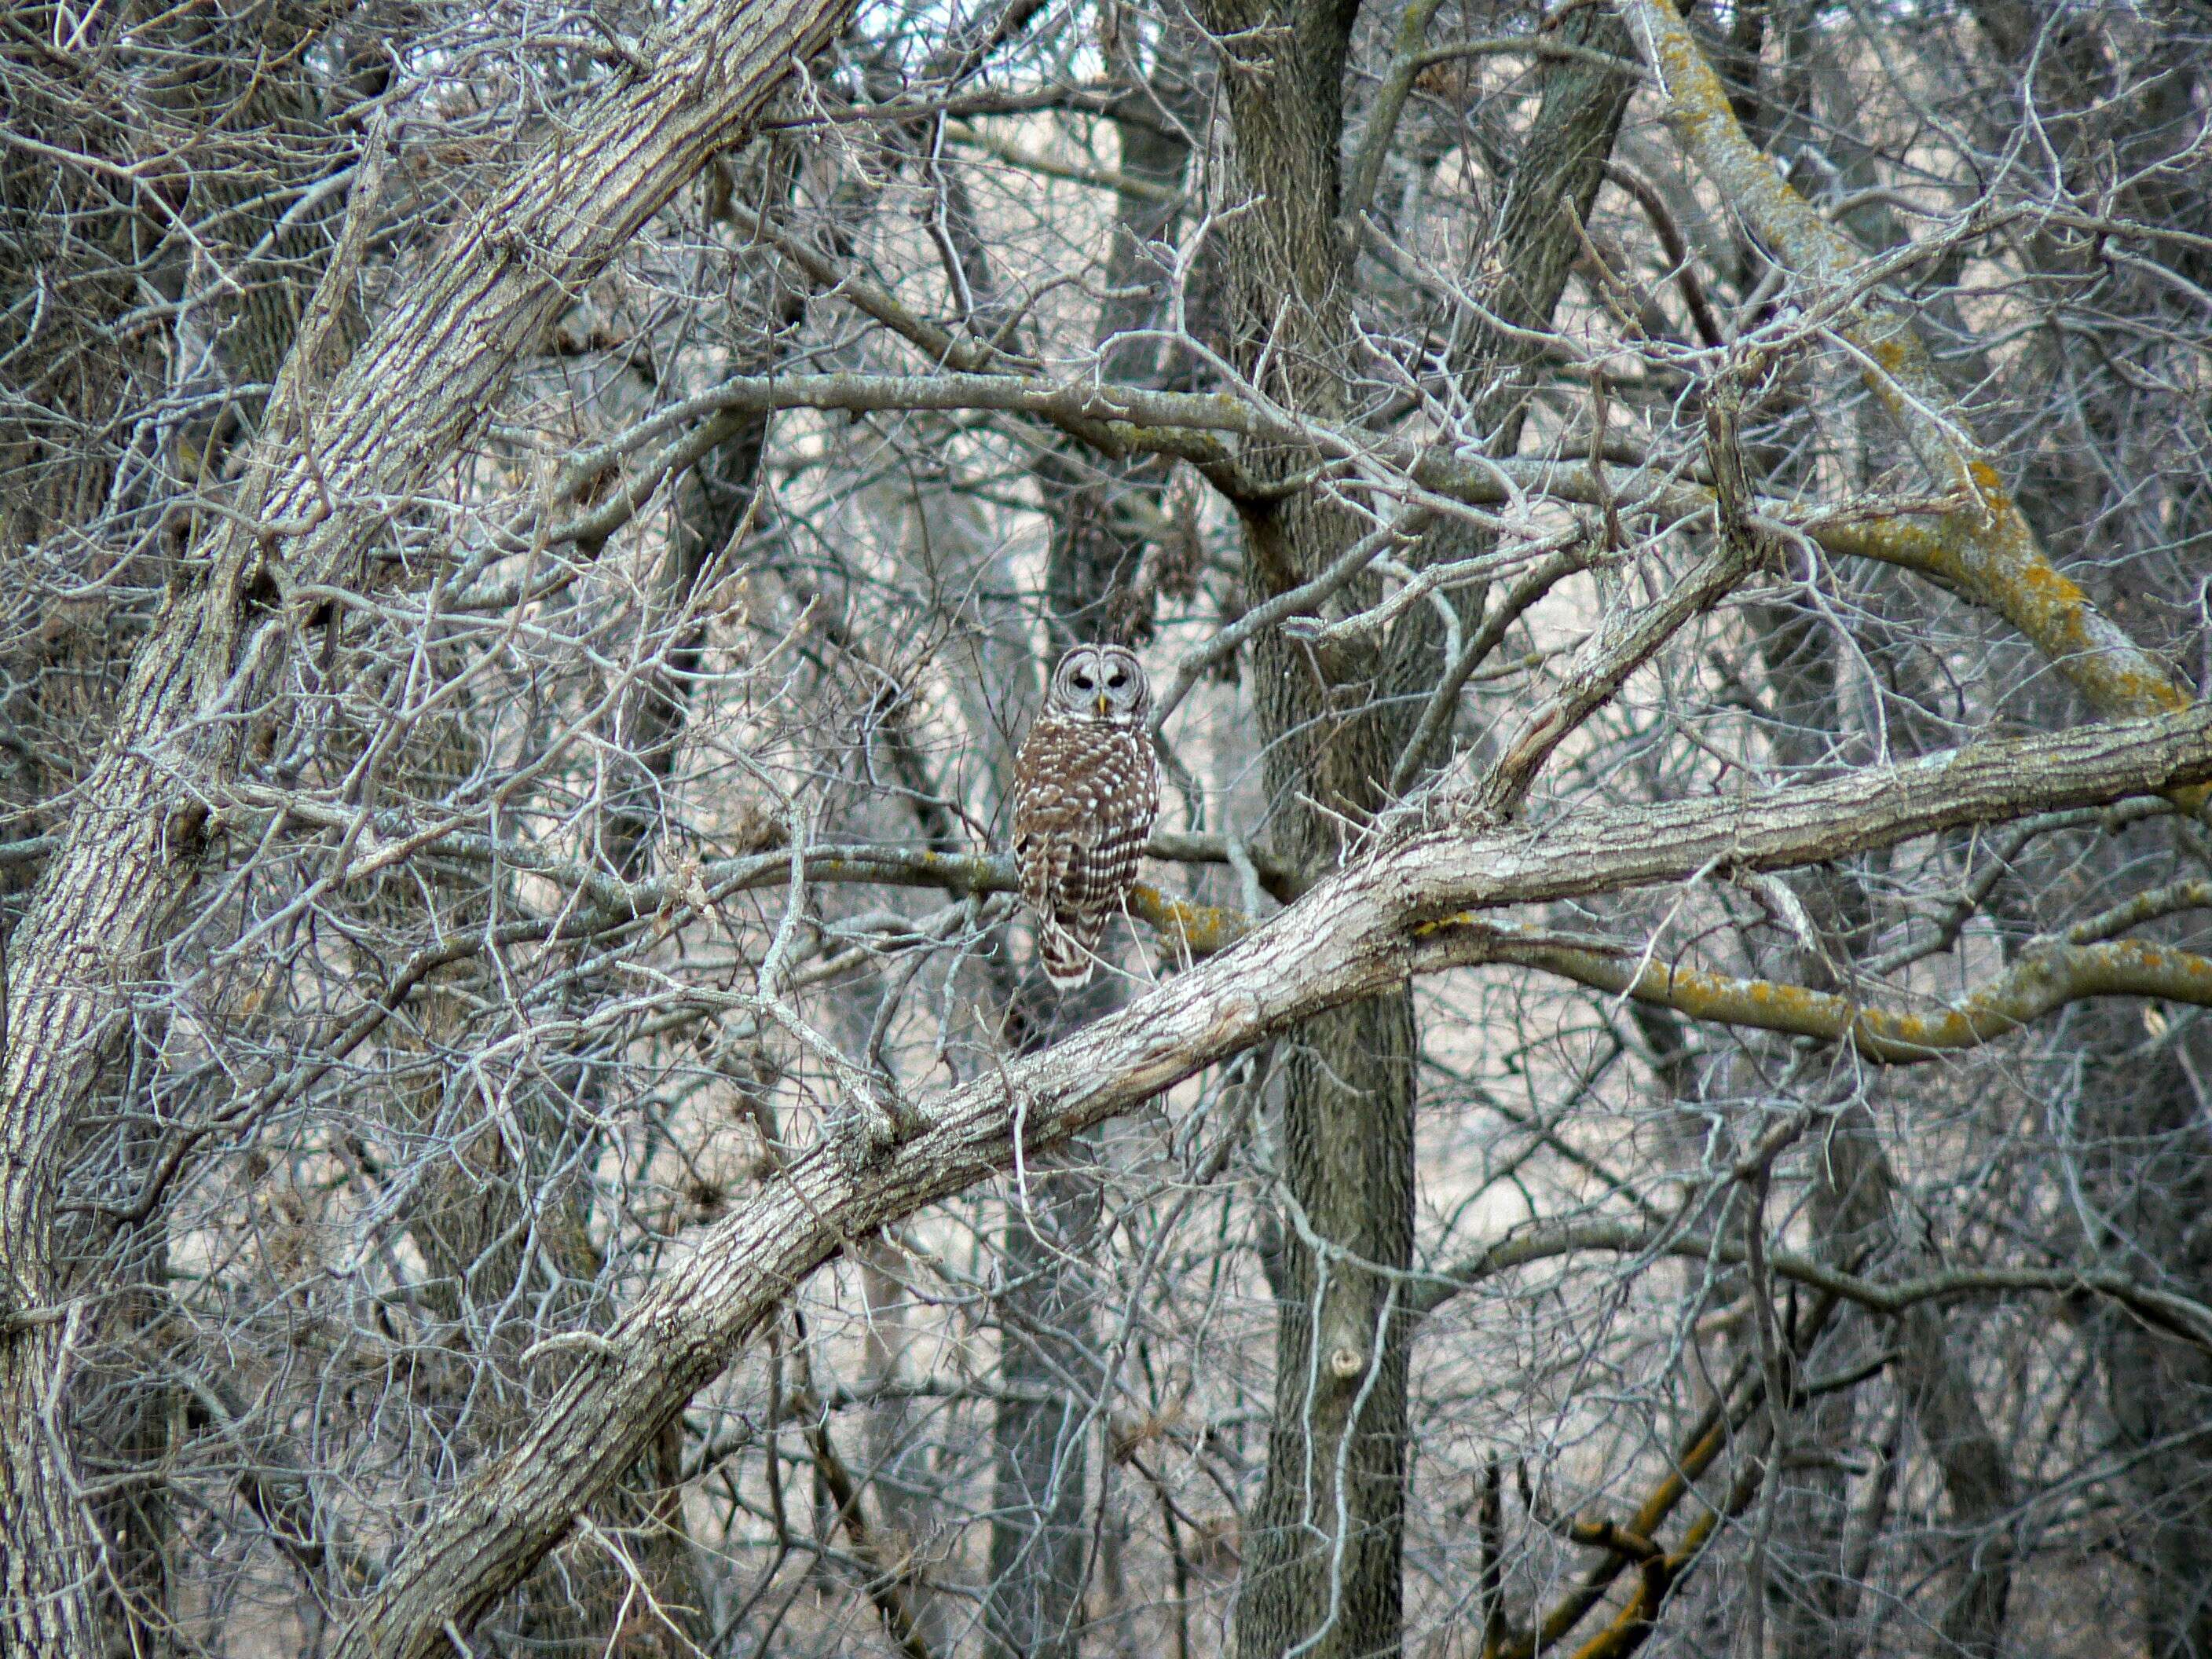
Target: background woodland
column 1654, row 1096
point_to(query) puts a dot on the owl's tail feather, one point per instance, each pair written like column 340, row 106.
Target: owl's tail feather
column 1067, row 955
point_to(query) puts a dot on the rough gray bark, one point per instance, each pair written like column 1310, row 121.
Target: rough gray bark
column 396, row 414
column 1322, row 1544
column 251, row 111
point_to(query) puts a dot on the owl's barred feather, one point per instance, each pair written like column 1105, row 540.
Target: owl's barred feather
column 1086, row 790
column 1066, row 954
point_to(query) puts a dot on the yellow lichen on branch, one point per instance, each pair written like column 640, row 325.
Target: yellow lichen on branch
column 1202, row 929
column 1986, row 551
column 2044, row 978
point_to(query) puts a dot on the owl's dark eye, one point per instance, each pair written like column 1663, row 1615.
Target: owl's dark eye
column 1117, row 679
column 1083, row 681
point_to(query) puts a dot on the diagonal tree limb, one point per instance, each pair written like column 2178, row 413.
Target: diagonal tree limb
column 1408, row 908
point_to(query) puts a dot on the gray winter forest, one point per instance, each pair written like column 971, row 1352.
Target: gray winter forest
column 1655, row 1094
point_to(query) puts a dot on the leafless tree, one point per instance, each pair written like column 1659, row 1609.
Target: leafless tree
column 1652, row 1094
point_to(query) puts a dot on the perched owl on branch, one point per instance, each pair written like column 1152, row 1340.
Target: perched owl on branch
column 1086, row 789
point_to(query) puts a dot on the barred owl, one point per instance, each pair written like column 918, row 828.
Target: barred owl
column 1086, row 789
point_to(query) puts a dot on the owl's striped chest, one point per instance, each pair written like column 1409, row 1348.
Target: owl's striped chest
column 1092, row 780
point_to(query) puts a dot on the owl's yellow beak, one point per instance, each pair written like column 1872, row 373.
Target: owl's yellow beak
column 1102, row 705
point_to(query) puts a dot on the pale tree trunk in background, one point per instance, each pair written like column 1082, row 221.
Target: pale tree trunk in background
column 1095, row 583
column 1042, row 1429
column 1041, row 1536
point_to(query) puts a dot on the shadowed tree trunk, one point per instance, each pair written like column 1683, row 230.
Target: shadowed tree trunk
column 1322, row 1544
column 2137, row 1136
column 1854, row 1209
column 253, row 110
column 1323, row 1541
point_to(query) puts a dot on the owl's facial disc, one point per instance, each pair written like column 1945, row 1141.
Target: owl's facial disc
column 1102, row 682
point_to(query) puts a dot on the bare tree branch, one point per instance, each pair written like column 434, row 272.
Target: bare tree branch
column 1402, row 912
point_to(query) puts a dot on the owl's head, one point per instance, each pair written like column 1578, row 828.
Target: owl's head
column 1101, row 683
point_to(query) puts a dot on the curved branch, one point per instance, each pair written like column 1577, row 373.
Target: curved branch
column 2183, row 1317
column 1396, row 913
column 2049, row 975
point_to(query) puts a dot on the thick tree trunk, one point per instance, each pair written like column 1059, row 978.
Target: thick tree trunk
column 1322, row 1543
column 1323, row 1551
column 1324, row 1546
column 396, row 414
